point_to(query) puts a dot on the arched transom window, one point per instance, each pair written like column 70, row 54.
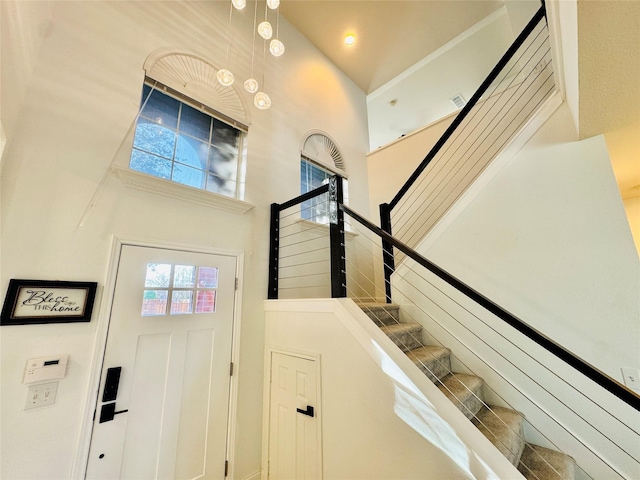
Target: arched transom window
column 320, row 159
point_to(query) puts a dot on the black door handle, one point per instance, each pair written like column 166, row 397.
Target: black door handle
column 109, row 394
column 309, row 411
column 108, row 411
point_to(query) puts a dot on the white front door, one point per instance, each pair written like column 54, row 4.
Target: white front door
column 169, row 342
column 294, row 429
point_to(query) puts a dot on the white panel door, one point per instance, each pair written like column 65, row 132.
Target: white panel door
column 294, row 446
column 169, row 339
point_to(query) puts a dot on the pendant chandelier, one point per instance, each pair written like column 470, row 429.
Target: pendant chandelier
column 264, row 29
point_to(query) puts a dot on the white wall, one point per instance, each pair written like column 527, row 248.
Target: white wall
column 632, row 207
column 389, row 167
column 546, row 239
column 423, row 92
column 381, row 417
column 80, row 102
column 27, row 25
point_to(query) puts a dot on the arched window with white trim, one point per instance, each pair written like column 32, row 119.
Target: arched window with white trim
column 190, row 130
column 320, row 159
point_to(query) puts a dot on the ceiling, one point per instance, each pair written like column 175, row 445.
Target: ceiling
column 411, row 57
column 394, row 35
column 391, row 35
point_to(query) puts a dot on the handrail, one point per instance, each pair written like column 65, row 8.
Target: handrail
column 540, row 14
column 591, row 372
column 274, row 238
column 305, row 196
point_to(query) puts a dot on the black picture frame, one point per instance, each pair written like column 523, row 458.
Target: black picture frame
column 47, row 301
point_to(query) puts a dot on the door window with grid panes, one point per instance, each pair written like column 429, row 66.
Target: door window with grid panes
column 179, row 289
column 177, row 142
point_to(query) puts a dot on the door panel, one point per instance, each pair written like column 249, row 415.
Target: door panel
column 192, row 434
column 171, row 331
column 294, row 449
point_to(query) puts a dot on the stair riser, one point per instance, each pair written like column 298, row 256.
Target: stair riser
column 469, row 406
column 542, row 463
column 505, row 429
column 436, row 368
column 406, row 340
column 468, row 399
column 383, row 316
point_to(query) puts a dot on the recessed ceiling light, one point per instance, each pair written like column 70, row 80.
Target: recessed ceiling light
column 349, row 39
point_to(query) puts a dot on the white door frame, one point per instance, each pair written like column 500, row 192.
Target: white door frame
column 266, row 403
column 79, row 466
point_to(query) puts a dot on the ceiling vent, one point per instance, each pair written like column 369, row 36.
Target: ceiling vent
column 458, row 101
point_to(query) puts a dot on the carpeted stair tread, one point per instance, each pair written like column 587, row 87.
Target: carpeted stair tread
column 465, row 391
column 381, row 313
column 539, row 463
column 434, row 361
column 406, row 336
column 504, row 428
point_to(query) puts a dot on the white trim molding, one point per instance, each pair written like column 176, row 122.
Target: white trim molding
column 147, row 183
column 195, row 76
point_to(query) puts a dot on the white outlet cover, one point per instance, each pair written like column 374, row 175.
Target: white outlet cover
column 631, row 377
column 41, row 395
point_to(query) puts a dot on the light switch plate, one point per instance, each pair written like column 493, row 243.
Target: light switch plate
column 41, row 395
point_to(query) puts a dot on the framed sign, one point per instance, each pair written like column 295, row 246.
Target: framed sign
column 42, row 301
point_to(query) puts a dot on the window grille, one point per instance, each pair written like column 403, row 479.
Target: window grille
column 185, row 143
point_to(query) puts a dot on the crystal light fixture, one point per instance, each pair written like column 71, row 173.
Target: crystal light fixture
column 276, row 47
column 265, row 30
column 225, row 77
column 262, row 101
column 251, row 85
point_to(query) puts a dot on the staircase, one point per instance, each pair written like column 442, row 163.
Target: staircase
column 502, row 426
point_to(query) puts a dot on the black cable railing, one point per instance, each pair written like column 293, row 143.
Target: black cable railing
column 302, row 256
column 519, row 85
column 444, row 312
column 605, row 381
column 301, row 262
column 336, row 277
column 313, row 255
column 491, row 78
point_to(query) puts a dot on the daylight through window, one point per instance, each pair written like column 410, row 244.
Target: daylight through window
column 313, row 176
column 178, row 142
column 179, row 289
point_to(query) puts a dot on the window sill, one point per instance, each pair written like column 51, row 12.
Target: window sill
column 147, row 183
